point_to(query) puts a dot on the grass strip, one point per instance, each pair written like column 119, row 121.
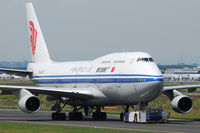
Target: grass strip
column 10, row 127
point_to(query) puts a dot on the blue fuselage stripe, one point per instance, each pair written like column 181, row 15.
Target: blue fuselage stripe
column 100, row 78
column 96, row 80
column 95, row 75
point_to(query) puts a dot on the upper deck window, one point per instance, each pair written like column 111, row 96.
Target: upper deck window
column 145, row 59
column 105, row 61
column 119, row 61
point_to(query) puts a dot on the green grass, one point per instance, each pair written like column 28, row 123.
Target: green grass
column 8, row 127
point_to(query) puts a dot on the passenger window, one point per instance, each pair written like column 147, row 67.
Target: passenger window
column 105, row 61
column 119, row 61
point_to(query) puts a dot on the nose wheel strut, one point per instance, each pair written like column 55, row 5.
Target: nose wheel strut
column 126, row 109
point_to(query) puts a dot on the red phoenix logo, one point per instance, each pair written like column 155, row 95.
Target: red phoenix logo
column 113, row 69
column 33, row 36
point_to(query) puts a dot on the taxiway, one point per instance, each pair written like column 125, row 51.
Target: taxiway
column 113, row 122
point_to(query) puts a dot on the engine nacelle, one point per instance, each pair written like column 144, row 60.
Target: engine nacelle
column 28, row 103
column 182, row 104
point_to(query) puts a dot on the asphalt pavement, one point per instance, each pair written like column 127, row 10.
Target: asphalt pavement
column 113, row 122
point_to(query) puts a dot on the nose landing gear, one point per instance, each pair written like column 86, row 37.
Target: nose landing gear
column 142, row 106
column 126, row 109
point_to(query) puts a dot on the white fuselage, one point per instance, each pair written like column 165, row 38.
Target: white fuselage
column 122, row 77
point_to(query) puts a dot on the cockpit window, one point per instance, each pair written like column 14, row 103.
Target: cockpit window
column 151, row 59
column 139, row 59
column 145, row 59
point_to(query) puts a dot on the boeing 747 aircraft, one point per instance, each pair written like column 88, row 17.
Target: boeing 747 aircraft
column 126, row 79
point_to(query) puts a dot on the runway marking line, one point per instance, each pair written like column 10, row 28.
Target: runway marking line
column 97, row 127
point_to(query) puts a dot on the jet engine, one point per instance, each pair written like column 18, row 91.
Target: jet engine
column 182, row 104
column 179, row 102
column 28, row 102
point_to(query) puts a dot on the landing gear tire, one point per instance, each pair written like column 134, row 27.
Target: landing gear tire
column 121, row 116
column 58, row 116
column 75, row 116
column 99, row 116
column 135, row 118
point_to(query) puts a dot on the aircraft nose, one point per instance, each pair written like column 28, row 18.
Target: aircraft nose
column 157, row 88
column 153, row 89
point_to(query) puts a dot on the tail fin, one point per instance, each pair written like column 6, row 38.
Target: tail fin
column 163, row 71
column 39, row 48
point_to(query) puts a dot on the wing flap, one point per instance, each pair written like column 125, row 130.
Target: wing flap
column 79, row 93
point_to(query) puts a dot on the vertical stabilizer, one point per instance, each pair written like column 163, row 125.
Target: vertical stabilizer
column 38, row 45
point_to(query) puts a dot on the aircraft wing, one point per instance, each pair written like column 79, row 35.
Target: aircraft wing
column 194, row 87
column 79, row 93
column 17, row 72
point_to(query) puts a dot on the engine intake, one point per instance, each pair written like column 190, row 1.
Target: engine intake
column 28, row 103
column 182, row 104
column 33, row 104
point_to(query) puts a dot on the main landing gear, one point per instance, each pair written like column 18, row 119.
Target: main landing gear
column 75, row 115
column 58, row 115
column 98, row 115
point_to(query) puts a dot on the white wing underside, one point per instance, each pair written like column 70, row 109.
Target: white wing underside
column 78, row 93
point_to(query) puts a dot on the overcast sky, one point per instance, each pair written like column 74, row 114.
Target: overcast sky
column 169, row 30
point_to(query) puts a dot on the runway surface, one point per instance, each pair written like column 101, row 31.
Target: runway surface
column 113, row 122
